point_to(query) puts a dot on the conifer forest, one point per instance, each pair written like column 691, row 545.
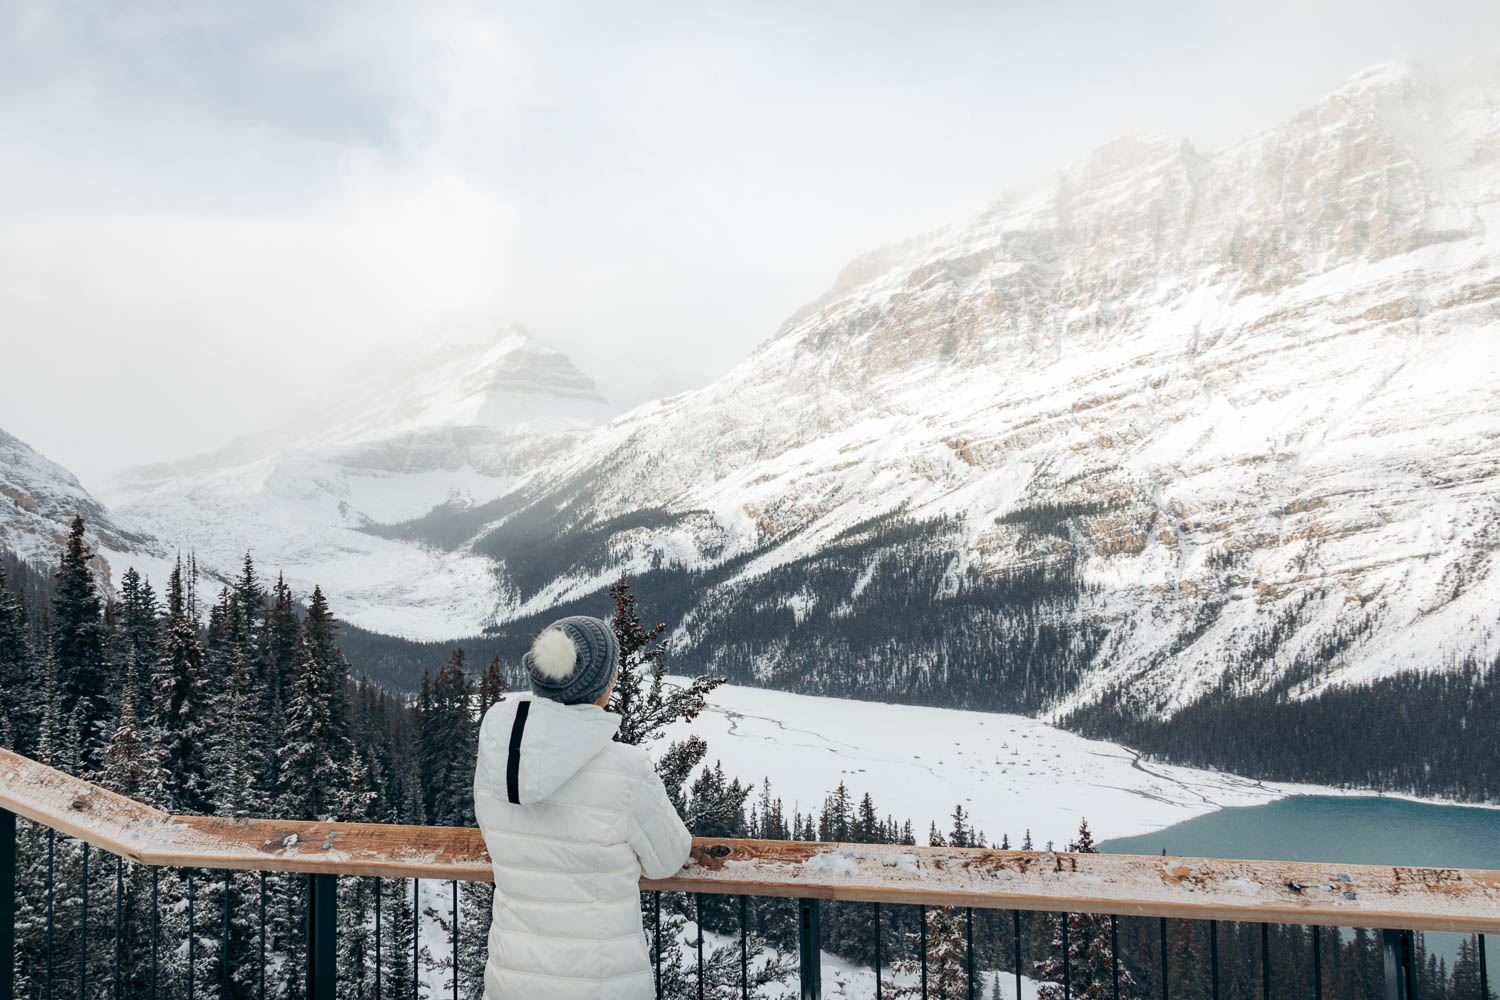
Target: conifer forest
column 241, row 703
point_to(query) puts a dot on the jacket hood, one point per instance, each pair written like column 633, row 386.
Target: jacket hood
column 529, row 746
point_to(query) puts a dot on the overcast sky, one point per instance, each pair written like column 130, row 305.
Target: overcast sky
column 208, row 209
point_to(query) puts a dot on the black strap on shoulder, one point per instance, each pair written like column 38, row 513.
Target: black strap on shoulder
column 513, row 761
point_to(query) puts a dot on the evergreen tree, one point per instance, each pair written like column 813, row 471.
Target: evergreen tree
column 491, row 686
column 947, row 961
column 641, row 699
column 78, row 650
column 239, row 760
column 447, row 743
column 180, row 708
column 17, row 697
column 316, row 752
column 139, row 637
column 133, row 762
column 1089, row 955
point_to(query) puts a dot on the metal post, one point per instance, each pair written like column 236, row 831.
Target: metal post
column 1484, row 970
column 1213, row 952
column 698, row 928
column 1265, row 961
column 83, row 931
column 1317, row 943
column 809, row 938
column 377, row 939
column 1114, row 957
column 1165, row 993
column 1016, row 928
column 1067, row 965
column 1396, row 952
column 969, row 949
column 322, row 913
column 7, row 905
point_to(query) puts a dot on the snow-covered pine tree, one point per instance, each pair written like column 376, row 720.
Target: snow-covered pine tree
column 316, row 751
column 17, row 674
column 447, row 737
column 356, row 896
column 1089, row 954
column 645, row 705
column 78, row 647
column 181, row 711
column 139, row 635
column 491, row 686
column 947, row 961
column 239, row 765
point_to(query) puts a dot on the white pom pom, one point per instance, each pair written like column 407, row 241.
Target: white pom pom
column 553, row 655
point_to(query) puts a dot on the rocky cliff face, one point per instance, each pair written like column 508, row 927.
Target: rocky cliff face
column 38, row 501
column 1226, row 419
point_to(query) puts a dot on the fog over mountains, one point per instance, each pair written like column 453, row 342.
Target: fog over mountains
column 1171, row 420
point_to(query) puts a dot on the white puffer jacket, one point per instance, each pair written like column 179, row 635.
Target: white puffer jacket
column 571, row 819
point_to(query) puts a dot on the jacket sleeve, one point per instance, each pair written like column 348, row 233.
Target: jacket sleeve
column 656, row 833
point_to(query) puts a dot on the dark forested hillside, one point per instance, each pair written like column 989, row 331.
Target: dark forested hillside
column 1431, row 734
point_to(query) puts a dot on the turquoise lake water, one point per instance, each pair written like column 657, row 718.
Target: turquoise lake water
column 1354, row 830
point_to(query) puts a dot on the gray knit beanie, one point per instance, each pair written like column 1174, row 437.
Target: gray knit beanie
column 574, row 660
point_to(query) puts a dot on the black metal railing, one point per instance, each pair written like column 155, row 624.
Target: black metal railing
column 95, row 952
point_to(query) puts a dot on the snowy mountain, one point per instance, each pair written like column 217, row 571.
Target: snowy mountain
column 1170, row 421
column 38, row 501
column 456, row 425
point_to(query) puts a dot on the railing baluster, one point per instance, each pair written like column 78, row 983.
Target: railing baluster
column 698, row 920
column 322, row 931
column 51, row 896
column 119, row 918
column 1114, row 957
column 879, row 959
column 1265, row 961
column 809, row 940
column 1396, row 955
column 1016, row 929
column 656, row 937
column 155, row 925
column 969, row 948
column 1067, row 962
column 7, row 905
column 1484, row 970
column 1317, row 944
column 224, row 941
column 455, row 939
column 1165, row 993
column 416, row 938
column 1213, row 957
column 744, row 954
column 192, row 937
column 83, row 931
column 922, row 919
column 261, row 975
column 377, row 938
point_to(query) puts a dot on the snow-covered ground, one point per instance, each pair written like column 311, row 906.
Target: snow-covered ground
column 1010, row 772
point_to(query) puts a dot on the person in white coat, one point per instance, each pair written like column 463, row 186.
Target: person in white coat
column 572, row 820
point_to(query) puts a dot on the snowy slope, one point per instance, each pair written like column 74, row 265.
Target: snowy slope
column 1246, row 404
column 456, row 425
column 1011, row 773
column 38, row 501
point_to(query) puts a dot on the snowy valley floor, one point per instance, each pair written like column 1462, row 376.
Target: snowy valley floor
column 1010, row 772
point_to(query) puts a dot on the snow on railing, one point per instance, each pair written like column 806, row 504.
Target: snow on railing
column 1376, row 896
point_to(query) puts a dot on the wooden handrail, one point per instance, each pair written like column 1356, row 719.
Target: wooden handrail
column 1429, row 899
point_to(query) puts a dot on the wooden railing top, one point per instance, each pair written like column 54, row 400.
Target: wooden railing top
column 1431, row 899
